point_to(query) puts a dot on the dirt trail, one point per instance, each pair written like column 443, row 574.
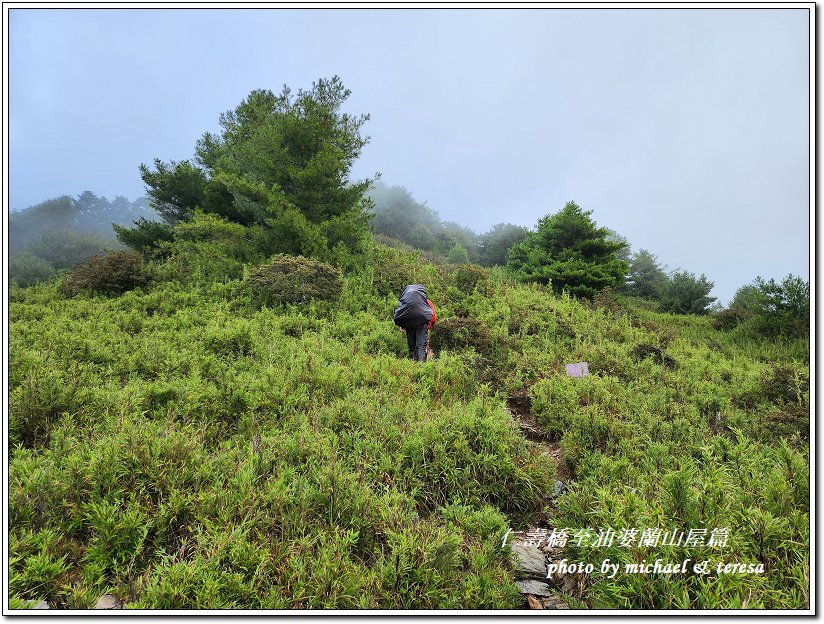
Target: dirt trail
column 529, row 544
column 520, row 406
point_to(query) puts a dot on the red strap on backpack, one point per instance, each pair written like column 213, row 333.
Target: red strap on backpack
column 434, row 316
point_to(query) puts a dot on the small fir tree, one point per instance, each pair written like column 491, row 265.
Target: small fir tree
column 569, row 252
column 646, row 277
column 458, row 255
column 684, row 293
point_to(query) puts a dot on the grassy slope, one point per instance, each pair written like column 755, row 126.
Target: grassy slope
column 181, row 449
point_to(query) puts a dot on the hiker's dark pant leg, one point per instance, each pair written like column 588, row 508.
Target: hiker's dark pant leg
column 421, row 342
column 417, row 339
column 410, row 340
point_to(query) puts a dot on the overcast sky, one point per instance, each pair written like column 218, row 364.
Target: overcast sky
column 685, row 130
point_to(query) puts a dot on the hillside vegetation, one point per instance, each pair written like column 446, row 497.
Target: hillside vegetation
column 224, row 415
column 186, row 444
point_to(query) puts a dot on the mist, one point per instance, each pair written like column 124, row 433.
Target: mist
column 684, row 130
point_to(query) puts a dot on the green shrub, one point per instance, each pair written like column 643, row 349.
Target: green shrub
column 229, row 340
column 792, row 421
column 294, row 279
column 460, row 333
column 112, row 274
column 36, row 567
column 208, row 248
column 457, row 255
column 605, row 300
column 39, row 577
column 468, row 277
column 118, row 532
column 198, row 584
column 198, row 263
column 393, row 269
column 643, row 351
column 778, row 308
column 779, row 385
column 467, row 454
column 730, row 318
column 39, row 400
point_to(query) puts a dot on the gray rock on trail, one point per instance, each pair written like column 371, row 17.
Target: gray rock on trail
column 535, row 588
column 42, row 604
column 560, row 488
column 529, row 561
column 107, row 601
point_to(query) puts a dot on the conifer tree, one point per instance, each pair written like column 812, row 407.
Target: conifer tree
column 282, row 163
column 646, row 277
column 569, row 252
column 684, row 293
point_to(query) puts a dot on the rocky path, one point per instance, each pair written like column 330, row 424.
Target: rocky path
column 530, row 544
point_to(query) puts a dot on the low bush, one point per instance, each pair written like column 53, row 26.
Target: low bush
column 792, row 421
column 643, row 351
column 393, row 269
column 457, row 255
column 468, row 455
column 468, row 277
column 779, row 385
column 461, row 333
column 294, row 279
column 206, row 249
column 111, row 274
column 730, row 318
column 605, row 299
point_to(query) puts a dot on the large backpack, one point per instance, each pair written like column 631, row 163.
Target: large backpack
column 412, row 310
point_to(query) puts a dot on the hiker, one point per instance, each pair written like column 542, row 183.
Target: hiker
column 415, row 315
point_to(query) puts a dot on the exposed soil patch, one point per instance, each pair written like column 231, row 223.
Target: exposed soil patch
column 520, row 403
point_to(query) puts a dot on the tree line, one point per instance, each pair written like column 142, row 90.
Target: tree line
column 63, row 232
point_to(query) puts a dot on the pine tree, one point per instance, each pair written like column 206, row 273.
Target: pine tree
column 281, row 162
column 569, row 252
column 684, row 293
column 646, row 277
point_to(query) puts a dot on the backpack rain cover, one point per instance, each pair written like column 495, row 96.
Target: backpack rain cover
column 412, row 310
